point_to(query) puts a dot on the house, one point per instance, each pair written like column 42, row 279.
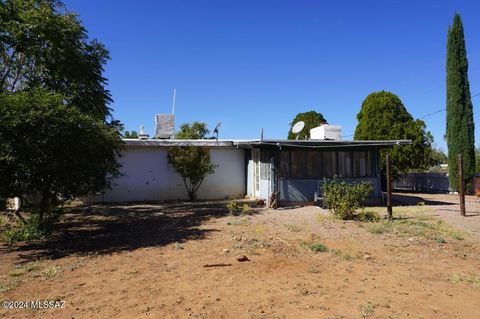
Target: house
column 246, row 168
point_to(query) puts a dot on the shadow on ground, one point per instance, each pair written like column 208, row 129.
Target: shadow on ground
column 400, row 199
column 103, row 229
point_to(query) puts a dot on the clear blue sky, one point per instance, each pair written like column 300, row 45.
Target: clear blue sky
column 255, row 64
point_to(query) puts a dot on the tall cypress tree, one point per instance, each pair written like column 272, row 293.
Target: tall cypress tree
column 460, row 126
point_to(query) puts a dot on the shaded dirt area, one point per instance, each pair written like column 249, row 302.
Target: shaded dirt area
column 147, row 261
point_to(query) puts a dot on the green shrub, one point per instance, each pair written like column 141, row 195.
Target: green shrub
column 318, row 247
column 343, row 199
column 32, row 230
column 233, row 208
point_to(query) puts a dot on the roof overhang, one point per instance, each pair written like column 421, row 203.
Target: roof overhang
column 170, row 142
column 321, row 143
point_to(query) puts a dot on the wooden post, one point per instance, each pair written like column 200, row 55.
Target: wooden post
column 389, row 187
column 461, row 184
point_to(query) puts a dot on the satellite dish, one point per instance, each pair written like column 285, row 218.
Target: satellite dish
column 298, row 127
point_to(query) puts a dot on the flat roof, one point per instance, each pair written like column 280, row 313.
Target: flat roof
column 263, row 142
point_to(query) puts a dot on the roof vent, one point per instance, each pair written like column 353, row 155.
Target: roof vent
column 142, row 135
column 326, row 132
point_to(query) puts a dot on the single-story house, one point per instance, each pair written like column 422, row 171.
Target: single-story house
column 246, row 168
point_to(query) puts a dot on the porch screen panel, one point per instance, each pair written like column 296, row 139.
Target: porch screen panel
column 344, row 164
column 329, row 164
column 362, row 166
column 284, row 167
column 299, row 164
column 314, row 164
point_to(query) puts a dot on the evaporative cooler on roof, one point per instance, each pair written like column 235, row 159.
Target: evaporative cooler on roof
column 164, row 126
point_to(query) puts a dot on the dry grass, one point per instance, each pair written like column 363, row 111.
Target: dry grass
column 415, row 221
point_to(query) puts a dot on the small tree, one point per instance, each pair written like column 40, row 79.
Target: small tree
column 191, row 162
column 312, row 119
column 51, row 151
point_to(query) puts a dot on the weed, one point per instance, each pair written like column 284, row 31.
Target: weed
column 233, row 208
column 50, row 272
column 317, row 247
column 368, row 216
column 344, row 255
column 367, row 310
column 294, row 228
column 10, row 284
column 313, row 270
column 245, row 209
column 238, row 222
column 465, row 278
column 422, row 225
column 16, row 273
column 32, row 230
column 178, row 246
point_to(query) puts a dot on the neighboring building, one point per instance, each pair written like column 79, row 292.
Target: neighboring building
column 247, row 168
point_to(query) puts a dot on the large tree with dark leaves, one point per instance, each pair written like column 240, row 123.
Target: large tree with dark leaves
column 51, row 151
column 384, row 117
column 460, row 125
column 311, row 119
column 43, row 45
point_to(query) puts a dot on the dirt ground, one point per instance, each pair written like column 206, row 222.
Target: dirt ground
column 148, row 261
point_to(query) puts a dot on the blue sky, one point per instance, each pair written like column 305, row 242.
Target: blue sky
column 256, row 64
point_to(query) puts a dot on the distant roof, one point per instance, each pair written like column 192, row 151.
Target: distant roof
column 266, row 142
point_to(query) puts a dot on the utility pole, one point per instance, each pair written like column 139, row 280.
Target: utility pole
column 461, row 184
column 389, row 188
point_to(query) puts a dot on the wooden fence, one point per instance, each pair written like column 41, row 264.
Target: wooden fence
column 422, row 182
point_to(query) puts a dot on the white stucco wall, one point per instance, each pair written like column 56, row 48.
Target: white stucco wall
column 147, row 176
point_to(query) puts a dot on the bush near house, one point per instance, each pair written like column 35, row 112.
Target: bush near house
column 344, row 199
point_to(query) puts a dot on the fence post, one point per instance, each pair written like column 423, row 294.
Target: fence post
column 389, row 188
column 461, row 184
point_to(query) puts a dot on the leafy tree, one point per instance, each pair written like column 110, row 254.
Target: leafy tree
column 44, row 45
column 460, row 125
column 312, row 119
column 131, row 134
column 438, row 156
column 51, row 151
column 191, row 162
column 384, row 117
column 194, row 131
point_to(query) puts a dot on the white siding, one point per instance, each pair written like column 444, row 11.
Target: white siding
column 147, row 176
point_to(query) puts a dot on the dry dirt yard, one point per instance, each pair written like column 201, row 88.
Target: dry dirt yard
column 148, row 261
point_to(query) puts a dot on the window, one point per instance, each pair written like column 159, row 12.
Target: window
column 344, row 164
column 329, row 164
column 299, row 165
column 361, row 164
column 284, row 171
column 265, row 165
column 314, row 164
